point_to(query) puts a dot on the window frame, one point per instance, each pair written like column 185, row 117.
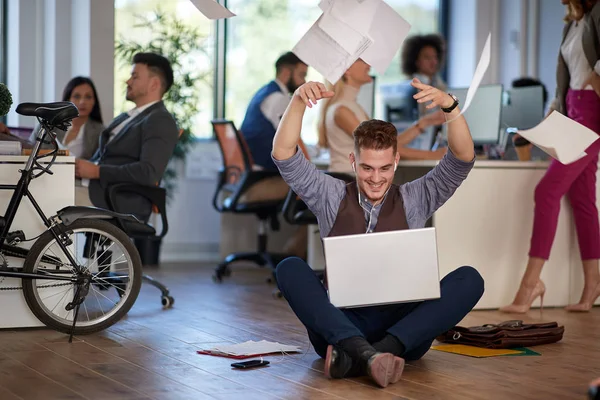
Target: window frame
column 3, row 45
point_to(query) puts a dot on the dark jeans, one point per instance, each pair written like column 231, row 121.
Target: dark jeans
column 416, row 324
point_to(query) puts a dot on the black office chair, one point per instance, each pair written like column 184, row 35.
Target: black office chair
column 236, row 178
column 143, row 231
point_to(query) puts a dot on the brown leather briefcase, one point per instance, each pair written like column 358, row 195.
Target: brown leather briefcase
column 505, row 335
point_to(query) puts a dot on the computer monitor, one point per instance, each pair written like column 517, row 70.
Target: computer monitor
column 523, row 107
column 399, row 106
column 366, row 97
column 484, row 113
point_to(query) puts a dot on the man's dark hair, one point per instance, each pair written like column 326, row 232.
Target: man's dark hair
column 527, row 81
column 413, row 46
column 288, row 59
column 158, row 65
column 375, row 134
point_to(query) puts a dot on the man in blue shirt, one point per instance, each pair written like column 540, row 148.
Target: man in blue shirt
column 268, row 105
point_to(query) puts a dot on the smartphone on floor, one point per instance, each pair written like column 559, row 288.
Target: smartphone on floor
column 250, row 364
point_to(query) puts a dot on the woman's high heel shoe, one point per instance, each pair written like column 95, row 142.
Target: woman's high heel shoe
column 585, row 306
column 538, row 290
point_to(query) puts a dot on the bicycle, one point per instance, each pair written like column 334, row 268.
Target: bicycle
column 52, row 261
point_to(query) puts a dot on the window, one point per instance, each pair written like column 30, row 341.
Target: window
column 193, row 104
column 264, row 29
column 3, row 46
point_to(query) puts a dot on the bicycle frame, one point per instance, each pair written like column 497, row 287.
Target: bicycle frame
column 20, row 190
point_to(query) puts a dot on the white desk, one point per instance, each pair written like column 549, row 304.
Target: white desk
column 52, row 192
column 487, row 224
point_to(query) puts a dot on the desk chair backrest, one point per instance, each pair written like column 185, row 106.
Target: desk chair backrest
column 235, row 152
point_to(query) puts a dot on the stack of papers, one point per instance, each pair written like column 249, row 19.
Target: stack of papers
column 561, row 138
column 249, row 349
column 351, row 29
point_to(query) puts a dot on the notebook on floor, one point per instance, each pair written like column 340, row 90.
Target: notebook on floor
column 382, row 268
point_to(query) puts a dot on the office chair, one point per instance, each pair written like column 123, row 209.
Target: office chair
column 143, row 231
column 236, row 178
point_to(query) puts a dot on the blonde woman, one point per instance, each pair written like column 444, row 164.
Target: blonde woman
column 342, row 113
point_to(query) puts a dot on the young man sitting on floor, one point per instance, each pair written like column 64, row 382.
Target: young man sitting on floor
column 376, row 340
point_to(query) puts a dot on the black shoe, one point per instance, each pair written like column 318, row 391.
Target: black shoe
column 337, row 363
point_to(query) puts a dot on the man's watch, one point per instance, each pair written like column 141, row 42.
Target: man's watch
column 453, row 106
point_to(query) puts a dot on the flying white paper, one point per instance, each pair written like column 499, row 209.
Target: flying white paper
column 352, row 29
column 561, row 137
column 319, row 50
column 211, row 9
column 482, row 66
column 388, row 30
column 345, row 36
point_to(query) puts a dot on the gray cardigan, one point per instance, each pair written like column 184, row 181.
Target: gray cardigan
column 91, row 137
column 591, row 48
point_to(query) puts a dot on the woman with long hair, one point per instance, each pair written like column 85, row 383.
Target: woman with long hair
column 578, row 97
column 341, row 114
column 81, row 138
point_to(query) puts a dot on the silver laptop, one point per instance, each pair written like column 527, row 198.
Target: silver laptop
column 382, row 268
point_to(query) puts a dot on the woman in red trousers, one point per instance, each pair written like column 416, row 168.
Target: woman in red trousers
column 578, row 97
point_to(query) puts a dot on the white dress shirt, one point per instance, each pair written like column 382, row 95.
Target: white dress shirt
column 274, row 105
column 76, row 145
column 132, row 114
column 577, row 63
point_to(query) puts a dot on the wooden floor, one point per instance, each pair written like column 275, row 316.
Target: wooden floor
column 151, row 354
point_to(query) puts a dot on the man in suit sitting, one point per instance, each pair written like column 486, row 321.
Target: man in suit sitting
column 137, row 145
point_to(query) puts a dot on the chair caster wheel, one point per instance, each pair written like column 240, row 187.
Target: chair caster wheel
column 277, row 294
column 167, row 301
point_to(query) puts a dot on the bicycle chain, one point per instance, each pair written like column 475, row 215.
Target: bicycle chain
column 41, row 287
column 5, row 264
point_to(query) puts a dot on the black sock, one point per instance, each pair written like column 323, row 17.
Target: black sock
column 390, row 344
column 358, row 348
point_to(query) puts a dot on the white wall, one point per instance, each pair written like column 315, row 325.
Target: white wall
column 51, row 41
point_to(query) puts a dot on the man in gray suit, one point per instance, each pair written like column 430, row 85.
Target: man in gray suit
column 137, row 145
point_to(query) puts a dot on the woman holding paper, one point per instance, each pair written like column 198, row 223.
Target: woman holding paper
column 578, row 97
column 342, row 113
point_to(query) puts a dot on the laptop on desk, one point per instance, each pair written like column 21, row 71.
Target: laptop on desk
column 382, row 268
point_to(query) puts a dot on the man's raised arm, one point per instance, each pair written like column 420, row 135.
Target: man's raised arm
column 315, row 188
column 459, row 135
column 288, row 133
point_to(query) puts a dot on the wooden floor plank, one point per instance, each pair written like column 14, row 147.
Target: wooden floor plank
column 151, row 353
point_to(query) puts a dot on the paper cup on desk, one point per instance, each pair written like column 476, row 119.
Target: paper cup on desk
column 524, row 152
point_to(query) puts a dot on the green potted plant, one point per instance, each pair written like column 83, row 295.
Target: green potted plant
column 182, row 44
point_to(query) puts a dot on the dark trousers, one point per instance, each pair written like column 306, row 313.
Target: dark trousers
column 416, row 324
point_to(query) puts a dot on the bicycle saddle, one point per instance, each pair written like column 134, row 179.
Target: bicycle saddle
column 54, row 113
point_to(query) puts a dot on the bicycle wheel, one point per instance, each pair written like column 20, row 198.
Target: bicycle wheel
column 110, row 266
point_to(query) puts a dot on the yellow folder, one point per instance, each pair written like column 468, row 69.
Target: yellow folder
column 473, row 351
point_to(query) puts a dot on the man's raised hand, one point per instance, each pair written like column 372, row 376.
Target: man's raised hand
column 429, row 93
column 311, row 92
